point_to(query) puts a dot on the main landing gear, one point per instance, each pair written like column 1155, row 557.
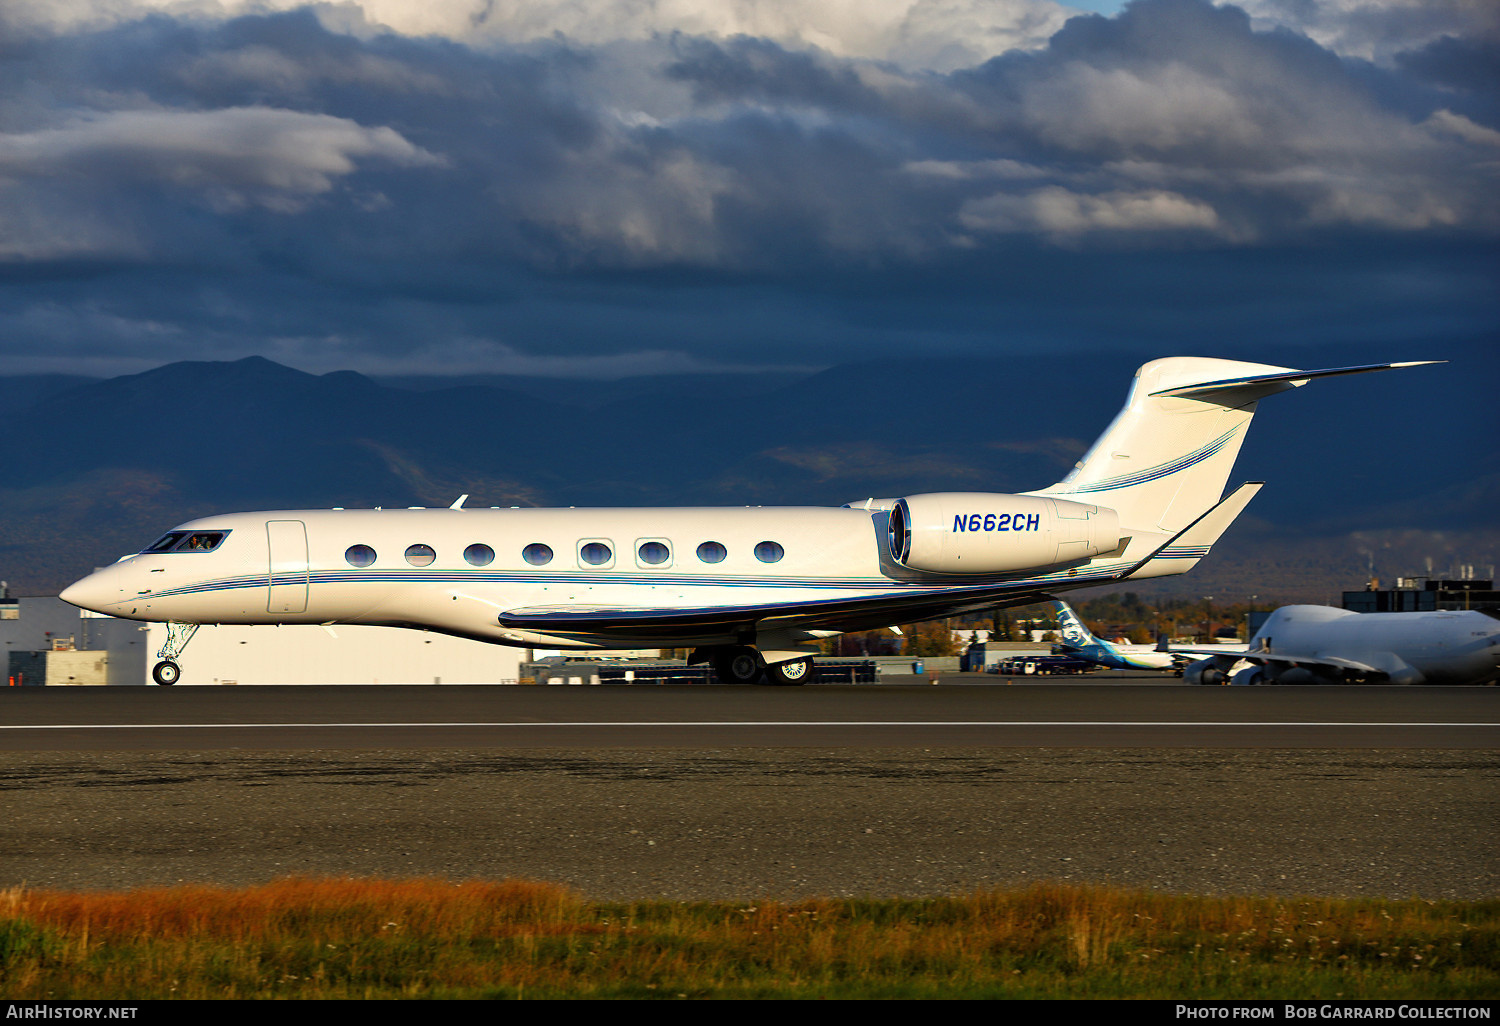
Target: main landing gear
column 744, row 665
column 167, row 672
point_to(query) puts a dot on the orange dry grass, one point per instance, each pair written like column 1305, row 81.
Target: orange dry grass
column 318, row 909
column 366, row 938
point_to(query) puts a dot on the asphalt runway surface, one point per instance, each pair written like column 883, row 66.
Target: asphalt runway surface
column 635, row 793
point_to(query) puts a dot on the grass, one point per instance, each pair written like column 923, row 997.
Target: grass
column 361, row 938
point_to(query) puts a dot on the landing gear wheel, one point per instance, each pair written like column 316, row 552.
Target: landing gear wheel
column 166, row 673
column 796, row 672
column 738, row 666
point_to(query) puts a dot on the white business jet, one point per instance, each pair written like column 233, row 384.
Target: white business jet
column 1078, row 640
column 748, row 589
column 1324, row 645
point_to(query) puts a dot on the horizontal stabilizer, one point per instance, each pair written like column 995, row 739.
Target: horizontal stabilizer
column 1292, row 378
column 1169, row 453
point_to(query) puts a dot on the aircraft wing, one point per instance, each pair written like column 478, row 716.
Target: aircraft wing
column 1238, row 651
column 866, row 612
column 1260, row 656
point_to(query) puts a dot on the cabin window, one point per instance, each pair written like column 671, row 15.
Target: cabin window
column 595, row 553
column 537, row 554
column 653, row 553
column 769, row 552
column 712, row 552
column 420, row 555
column 359, row 555
column 479, row 554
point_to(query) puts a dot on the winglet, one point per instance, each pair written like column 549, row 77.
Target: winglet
column 1277, row 382
column 458, row 503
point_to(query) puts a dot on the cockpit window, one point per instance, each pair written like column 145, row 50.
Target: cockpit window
column 184, row 541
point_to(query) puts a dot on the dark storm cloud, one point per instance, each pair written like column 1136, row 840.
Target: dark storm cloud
column 176, row 188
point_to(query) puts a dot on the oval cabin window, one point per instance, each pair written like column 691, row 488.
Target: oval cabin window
column 420, row 555
column 653, row 553
column 712, row 552
column 769, row 552
column 359, row 555
column 479, row 555
column 595, row 554
column 537, row 554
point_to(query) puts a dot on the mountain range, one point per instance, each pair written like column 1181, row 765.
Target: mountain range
column 1393, row 473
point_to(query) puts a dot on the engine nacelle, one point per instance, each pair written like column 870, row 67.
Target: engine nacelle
column 988, row 533
column 1250, row 675
column 1205, row 671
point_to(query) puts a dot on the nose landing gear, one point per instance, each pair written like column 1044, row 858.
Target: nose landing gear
column 167, row 672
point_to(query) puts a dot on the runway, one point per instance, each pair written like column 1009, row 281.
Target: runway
column 1022, row 715
column 636, row 793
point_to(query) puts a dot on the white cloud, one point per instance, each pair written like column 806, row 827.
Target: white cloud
column 1060, row 212
column 972, row 170
column 1445, row 122
column 1376, row 29
column 275, row 158
column 1160, row 107
column 632, row 206
column 936, row 34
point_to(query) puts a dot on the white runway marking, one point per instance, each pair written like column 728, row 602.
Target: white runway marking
column 758, row 723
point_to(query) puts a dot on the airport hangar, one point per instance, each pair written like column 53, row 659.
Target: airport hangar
column 47, row 641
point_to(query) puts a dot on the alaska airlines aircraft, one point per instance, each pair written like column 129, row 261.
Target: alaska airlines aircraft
column 1078, row 640
column 747, row 589
column 1323, row 645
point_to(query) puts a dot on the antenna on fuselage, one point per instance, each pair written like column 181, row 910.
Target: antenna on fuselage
column 458, row 503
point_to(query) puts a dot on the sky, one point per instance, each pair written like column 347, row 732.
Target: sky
column 613, row 188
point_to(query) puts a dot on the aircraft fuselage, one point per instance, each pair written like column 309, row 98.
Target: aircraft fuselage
column 455, row 570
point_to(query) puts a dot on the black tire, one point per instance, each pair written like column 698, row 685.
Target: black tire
column 166, row 673
column 792, row 674
column 738, row 666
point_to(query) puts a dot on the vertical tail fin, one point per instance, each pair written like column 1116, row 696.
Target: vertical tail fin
column 1075, row 633
column 1168, row 454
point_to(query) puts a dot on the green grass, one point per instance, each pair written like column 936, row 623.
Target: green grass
column 516, row 939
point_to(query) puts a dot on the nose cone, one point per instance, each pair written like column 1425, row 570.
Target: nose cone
column 91, row 593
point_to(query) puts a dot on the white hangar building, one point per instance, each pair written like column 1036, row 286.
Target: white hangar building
column 336, row 655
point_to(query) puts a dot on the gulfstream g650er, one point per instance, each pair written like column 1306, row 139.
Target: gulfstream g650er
column 748, row 589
